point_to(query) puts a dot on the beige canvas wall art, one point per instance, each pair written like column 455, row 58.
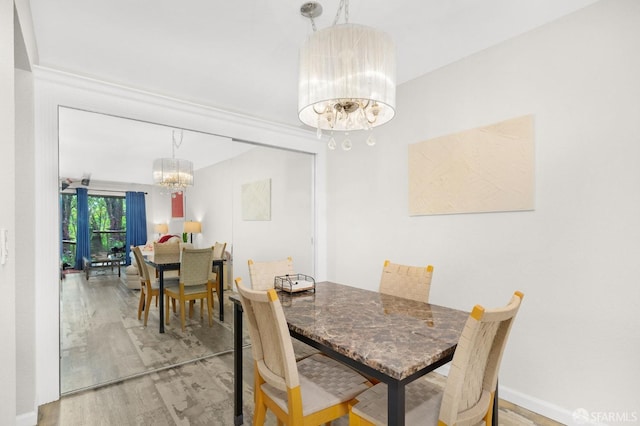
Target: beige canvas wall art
column 488, row 169
column 256, row 200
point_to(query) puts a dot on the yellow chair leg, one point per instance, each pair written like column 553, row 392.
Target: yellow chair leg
column 140, row 304
column 210, row 309
column 146, row 311
column 261, row 409
column 489, row 416
column 295, row 406
column 167, row 314
column 182, row 314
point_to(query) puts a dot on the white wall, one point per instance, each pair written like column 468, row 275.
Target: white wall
column 24, row 251
column 216, row 201
column 576, row 342
column 210, row 202
column 7, row 213
column 290, row 231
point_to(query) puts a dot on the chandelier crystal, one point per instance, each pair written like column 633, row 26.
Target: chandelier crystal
column 347, row 76
column 173, row 174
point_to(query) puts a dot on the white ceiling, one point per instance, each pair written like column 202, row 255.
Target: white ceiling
column 115, row 149
column 242, row 55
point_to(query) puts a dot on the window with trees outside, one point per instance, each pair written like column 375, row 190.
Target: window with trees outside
column 107, row 226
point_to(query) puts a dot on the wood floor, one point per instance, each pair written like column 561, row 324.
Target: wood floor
column 102, row 339
column 194, row 393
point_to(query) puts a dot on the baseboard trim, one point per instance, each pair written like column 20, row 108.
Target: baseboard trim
column 27, row 419
column 538, row 406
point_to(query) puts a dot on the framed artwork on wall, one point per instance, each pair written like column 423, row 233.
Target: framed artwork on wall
column 487, row 169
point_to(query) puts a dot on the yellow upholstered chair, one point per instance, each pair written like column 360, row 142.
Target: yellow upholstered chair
column 149, row 287
column 262, row 274
column 467, row 398
column 410, row 282
column 312, row 391
column 195, row 282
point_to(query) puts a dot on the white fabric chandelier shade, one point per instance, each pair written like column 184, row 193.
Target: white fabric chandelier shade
column 347, row 78
column 173, row 173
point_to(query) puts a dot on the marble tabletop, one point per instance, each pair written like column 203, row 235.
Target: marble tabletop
column 395, row 336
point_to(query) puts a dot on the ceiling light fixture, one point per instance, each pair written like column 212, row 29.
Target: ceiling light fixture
column 347, row 77
column 173, row 174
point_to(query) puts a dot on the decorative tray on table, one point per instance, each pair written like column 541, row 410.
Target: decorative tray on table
column 294, row 283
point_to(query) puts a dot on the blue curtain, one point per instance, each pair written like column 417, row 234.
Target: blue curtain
column 136, row 221
column 83, row 239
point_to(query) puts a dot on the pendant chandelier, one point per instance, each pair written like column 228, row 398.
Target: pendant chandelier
column 173, row 174
column 347, row 77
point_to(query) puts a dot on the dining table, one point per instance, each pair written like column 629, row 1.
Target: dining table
column 388, row 338
column 163, row 266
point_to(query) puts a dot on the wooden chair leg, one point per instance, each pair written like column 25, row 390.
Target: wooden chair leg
column 260, row 410
column 140, row 304
column 167, row 315
column 210, row 309
column 146, row 311
column 182, row 314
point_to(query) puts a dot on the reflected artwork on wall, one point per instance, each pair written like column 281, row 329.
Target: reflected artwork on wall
column 256, row 200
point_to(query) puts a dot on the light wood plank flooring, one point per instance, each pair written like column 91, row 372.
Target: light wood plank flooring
column 195, row 393
column 102, row 339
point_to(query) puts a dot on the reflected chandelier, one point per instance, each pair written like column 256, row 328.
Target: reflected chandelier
column 347, row 77
column 173, row 174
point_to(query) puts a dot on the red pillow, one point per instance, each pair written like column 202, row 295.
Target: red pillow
column 165, row 238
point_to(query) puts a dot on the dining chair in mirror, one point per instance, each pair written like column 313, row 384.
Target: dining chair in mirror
column 219, row 253
column 195, row 283
column 167, row 253
column 149, row 287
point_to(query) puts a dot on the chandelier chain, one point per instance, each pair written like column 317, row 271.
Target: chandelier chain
column 343, row 4
column 177, row 141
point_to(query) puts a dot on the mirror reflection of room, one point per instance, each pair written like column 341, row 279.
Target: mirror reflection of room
column 119, row 189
